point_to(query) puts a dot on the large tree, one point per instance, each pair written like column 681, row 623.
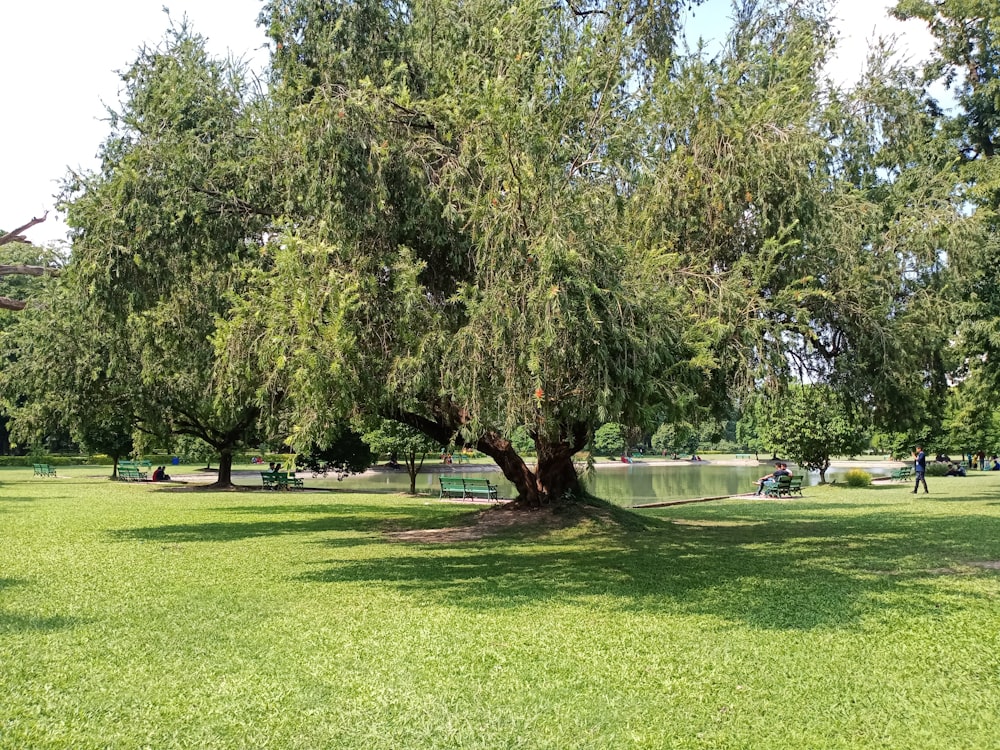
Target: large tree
column 158, row 231
column 537, row 215
column 967, row 62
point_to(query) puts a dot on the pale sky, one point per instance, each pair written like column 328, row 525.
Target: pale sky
column 59, row 59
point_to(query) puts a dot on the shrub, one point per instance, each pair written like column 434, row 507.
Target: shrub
column 937, row 469
column 858, row 478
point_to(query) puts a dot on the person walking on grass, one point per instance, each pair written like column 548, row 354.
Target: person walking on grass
column 920, row 469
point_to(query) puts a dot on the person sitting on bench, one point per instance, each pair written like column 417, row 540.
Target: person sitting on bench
column 780, row 470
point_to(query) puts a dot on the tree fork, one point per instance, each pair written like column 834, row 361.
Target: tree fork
column 554, row 474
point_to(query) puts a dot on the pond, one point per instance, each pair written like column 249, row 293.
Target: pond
column 624, row 485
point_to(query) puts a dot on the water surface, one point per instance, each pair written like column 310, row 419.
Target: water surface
column 624, row 485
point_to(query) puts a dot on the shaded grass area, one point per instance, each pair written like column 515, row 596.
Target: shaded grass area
column 134, row 617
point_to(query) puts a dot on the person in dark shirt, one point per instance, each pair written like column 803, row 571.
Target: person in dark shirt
column 920, row 469
column 780, row 470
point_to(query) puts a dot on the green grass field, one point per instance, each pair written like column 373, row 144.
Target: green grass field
column 133, row 616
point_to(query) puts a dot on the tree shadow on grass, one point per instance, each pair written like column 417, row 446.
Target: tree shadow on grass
column 780, row 575
column 11, row 622
column 795, row 570
column 328, row 518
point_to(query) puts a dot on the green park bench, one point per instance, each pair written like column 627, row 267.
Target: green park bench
column 795, row 486
column 743, row 456
column 274, row 480
column 44, row 470
column 780, row 487
column 452, row 487
column 131, row 474
column 467, row 488
column 279, row 480
column 902, row 474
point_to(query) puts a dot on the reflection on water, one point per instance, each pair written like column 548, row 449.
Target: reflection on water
column 624, row 485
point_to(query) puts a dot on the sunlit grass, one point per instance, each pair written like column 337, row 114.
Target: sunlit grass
column 132, row 616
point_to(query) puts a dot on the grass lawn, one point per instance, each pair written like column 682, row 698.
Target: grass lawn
column 133, row 616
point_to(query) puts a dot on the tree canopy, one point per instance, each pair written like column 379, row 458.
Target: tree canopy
column 485, row 221
column 545, row 216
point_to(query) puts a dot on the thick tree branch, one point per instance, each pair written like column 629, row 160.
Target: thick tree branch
column 18, row 234
column 20, row 269
column 6, row 303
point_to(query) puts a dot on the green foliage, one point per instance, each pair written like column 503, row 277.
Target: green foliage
column 857, row 478
column 59, row 376
column 967, row 61
column 679, row 437
column 810, row 424
column 159, row 231
column 193, row 449
column 935, row 469
column 973, row 417
column 609, row 439
column 391, row 438
column 342, row 451
column 522, row 442
column 398, row 440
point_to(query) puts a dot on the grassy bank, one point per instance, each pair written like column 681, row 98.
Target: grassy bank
column 133, row 616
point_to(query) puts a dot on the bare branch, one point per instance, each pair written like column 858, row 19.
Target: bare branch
column 18, row 234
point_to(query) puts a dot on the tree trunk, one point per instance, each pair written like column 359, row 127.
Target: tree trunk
column 513, row 467
column 225, row 480
column 822, row 471
column 554, row 473
column 411, row 468
column 114, row 467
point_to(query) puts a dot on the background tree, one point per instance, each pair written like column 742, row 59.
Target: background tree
column 58, row 375
column 967, row 61
column 158, row 231
column 190, row 448
column 342, row 451
column 397, row 440
column 810, row 424
column 609, row 440
column 973, row 419
column 674, row 438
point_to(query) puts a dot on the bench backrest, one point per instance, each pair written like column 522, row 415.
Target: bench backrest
column 477, row 482
column 452, row 482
